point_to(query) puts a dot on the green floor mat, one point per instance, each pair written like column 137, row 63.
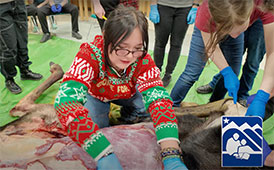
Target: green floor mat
column 62, row 51
column 59, row 51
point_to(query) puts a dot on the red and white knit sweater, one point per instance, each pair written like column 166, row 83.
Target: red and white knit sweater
column 88, row 73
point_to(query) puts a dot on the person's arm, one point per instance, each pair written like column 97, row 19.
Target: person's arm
column 51, row 2
column 159, row 104
column 257, row 106
column 74, row 117
column 268, row 79
column 98, row 9
column 231, row 81
column 30, row 2
column 43, row 3
column 64, row 2
column 153, row 2
column 217, row 56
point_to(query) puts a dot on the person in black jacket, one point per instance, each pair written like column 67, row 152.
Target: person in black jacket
column 13, row 44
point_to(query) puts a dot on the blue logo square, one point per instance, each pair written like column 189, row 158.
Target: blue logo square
column 242, row 142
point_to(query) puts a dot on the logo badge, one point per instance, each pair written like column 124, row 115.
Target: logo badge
column 242, row 142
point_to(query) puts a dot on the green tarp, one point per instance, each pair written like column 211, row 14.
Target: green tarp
column 62, row 51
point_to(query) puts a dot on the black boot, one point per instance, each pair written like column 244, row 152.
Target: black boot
column 76, row 35
column 29, row 75
column 166, row 80
column 12, row 86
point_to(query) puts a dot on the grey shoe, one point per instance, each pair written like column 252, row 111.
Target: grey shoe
column 204, row 89
column 76, row 35
column 45, row 37
column 166, row 80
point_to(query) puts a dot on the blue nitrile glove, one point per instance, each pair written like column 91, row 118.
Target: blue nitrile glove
column 53, row 8
column 191, row 16
column 232, row 82
column 154, row 15
column 59, row 8
column 266, row 149
column 109, row 162
column 174, row 164
column 257, row 107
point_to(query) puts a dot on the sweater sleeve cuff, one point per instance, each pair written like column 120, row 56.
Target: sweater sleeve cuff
column 167, row 131
column 97, row 145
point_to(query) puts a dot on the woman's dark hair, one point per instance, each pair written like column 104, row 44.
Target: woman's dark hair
column 120, row 24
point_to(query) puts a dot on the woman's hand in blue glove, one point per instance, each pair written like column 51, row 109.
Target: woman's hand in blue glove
column 232, row 82
column 53, row 8
column 154, row 15
column 257, row 107
column 109, row 162
column 174, row 164
column 59, row 8
column 191, row 15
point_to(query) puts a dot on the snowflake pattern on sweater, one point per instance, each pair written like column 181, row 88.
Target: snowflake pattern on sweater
column 89, row 74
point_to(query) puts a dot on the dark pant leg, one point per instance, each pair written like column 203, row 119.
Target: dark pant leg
column 255, row 45
column 42, row 13
column 31, row 10
column 73, row 10
column 8, row 40
column 162, row 32
column 232, row 48
column 269, row 108
column 179, row 28
column 21, row 27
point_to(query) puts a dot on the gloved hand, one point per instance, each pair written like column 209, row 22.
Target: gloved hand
column 109, row 162
column 59, row 8
column 174, row 164
column 257, row 107
column 232, row 82
column 191, row 16
column 154, row 15
column 53, row 8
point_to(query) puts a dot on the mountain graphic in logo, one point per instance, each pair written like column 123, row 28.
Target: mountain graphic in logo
column 242, row 141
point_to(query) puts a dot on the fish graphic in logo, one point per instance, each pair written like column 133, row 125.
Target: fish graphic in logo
column 242, row 142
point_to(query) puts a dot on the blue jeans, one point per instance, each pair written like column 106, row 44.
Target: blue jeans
column 131, row 109
column 232, row 50
column 255, row 46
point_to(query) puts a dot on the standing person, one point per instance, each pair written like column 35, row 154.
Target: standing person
column 58, row 6
column 170, row 20
column 219, row 32
column 104, row 8
column 116, row 68
column 13, row 44
column 255, row 47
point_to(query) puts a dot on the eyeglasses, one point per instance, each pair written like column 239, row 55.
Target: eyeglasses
column 124, row 52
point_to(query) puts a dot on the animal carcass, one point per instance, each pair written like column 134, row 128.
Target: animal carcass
column 37, row 141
